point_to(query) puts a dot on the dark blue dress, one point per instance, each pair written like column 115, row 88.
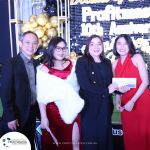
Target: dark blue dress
column 97, row 133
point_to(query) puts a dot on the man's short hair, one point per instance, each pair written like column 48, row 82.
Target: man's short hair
column 23, row 35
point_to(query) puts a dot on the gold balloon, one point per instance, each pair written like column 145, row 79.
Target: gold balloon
column 45, row 45
column 41, row 19
column 39, row 31
column 32, row 29
column 72, row 54
column 40, row 43
column 44, row 28
column 38, row 27
column 51, row 33
column 54, row 21
column 45, row 14
column 48, row 25
column 44, row 38
column 32, row 18
column 25, row 27
column 34, row 24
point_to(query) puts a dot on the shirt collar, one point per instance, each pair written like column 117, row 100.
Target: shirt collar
column 25, row 59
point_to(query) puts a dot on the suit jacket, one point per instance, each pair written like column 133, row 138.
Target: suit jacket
column 16, row 93
column 91, row 88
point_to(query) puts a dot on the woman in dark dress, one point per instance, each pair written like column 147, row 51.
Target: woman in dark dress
column 94, row 75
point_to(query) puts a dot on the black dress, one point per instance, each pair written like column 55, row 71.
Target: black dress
column 97, row 133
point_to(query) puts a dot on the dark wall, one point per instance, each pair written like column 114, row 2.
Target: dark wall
column 5, row 48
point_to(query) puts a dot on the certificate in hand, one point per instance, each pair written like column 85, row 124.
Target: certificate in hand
column 130, row 82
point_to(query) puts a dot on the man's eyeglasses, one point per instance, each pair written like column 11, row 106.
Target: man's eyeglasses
column 58, row 49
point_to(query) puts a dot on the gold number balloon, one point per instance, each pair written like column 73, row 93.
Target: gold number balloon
column 41, row 19
column 54, row 21
column 39, row 31
column 74, row 57
column 72, row 54
column 67, row 56
column 51, row 33
column 79, row 56
column 32, row 18
column 26, row 27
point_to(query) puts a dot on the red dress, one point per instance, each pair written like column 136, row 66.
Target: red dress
column 61, row 130
column 136, row 124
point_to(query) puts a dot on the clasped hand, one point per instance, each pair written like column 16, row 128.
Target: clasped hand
column 114, row 87
column 128, row 106
column 124, row 89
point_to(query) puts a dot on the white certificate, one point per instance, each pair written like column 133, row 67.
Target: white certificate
column 131, row 82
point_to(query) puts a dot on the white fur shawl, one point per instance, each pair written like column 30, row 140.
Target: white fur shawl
column 63, row 92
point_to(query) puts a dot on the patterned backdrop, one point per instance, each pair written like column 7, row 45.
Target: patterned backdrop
column 108, row 18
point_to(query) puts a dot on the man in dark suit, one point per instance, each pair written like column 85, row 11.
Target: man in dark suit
column 18, row 93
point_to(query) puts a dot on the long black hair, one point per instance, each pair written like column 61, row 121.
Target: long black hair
column 129, row 41
column 50, row 52
column 86, row 52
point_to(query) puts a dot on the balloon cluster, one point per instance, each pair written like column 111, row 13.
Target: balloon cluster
column 73, row 56
column 44, row 26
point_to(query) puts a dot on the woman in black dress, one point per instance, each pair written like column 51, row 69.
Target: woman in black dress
column 94, row 75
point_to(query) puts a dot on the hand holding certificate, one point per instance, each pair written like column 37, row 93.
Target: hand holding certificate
column 130, row 82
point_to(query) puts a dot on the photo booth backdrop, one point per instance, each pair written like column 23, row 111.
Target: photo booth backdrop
column 109, row 18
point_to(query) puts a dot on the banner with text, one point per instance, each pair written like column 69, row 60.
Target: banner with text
column 109, row 18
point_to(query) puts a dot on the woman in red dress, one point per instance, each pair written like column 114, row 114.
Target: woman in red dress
column 135, row 104
column 59, row 102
